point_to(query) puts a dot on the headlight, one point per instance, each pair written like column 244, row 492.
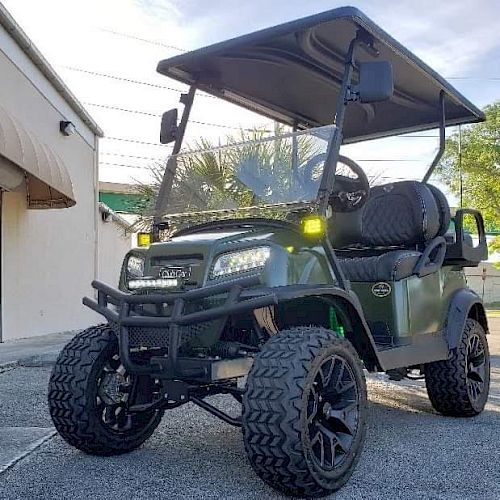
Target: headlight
column 240, row 261
column 135, row 266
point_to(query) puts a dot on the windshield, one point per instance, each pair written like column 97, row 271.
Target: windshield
column 262, row 177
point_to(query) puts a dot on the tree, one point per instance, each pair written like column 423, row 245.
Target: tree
column 479, row 163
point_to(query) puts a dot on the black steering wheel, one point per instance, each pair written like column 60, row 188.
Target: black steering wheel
column 349, row 193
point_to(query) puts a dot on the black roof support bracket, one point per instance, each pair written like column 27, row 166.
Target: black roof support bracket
column 442, row 137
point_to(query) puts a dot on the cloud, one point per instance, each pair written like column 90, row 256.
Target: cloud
column 452, row 37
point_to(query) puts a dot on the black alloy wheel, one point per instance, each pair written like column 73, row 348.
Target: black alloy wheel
column 332, row 412
column 116, row 390
column 475, row 367
column 90, row 395
column 459, row 385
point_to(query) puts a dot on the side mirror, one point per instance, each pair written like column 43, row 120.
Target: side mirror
column 168, row 130
column 376, row 82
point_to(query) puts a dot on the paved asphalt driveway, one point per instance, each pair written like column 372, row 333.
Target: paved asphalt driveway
column 410, row 452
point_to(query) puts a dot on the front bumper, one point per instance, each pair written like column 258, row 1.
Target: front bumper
column 122, row 312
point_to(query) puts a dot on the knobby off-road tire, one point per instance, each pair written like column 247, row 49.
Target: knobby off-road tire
column 459, row 386
column 74, row 397
column 303, row 383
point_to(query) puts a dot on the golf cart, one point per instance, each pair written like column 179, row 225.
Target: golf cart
column 282, row 277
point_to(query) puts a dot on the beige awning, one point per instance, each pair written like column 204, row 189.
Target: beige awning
column 47, row 181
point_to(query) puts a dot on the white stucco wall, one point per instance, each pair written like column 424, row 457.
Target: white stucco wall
column 114, row 243
column 49, row 257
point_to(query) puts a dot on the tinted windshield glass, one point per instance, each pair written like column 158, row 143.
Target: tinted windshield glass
column 263, row 177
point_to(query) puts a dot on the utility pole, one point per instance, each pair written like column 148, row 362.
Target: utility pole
column 460, row 165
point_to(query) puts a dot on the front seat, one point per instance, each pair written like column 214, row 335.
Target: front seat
column 398, row 233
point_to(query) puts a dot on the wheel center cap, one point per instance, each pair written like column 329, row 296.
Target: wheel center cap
column 110, row 388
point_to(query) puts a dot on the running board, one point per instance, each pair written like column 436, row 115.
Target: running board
column 425, row 348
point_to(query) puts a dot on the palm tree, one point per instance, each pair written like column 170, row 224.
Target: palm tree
column 217, row 178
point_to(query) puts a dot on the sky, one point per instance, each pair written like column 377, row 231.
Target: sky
column 125, row 39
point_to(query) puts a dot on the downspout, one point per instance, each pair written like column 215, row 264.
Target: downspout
column 1, row 266
column 96, row 207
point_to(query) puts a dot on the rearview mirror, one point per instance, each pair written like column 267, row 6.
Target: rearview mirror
column 168, row 130
column 376, row 82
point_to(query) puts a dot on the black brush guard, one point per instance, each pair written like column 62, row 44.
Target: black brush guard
column 123, row 316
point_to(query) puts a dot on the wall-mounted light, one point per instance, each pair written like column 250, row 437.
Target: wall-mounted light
column 106, row 216
column 67, row 128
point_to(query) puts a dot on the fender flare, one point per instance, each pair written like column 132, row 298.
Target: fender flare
column 464, row 304
column 351, row 314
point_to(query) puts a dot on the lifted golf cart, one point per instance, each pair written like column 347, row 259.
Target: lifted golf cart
column 281, row 278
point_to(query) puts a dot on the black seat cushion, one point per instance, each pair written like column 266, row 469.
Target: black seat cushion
column 389, row 266
column 398, row 214
column 444, row 209
column 402, row 213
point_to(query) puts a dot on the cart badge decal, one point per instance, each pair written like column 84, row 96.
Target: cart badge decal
column 175, row 272
column 381, row 289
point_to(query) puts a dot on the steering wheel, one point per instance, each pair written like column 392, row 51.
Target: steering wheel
column 349, row 193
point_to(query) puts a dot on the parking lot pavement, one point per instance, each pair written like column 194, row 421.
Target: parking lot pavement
column 410, row 452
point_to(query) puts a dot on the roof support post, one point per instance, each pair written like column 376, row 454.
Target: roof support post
column 442, row 137
column 362, row 37
column 169, row 174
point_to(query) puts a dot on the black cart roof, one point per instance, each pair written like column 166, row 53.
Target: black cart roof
column 292, row 74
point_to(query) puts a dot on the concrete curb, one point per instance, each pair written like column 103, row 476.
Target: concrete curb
column 33, row 352
column 35, row 361
column 5, row 367
column 39, row 360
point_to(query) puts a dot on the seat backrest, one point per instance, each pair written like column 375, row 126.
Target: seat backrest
column 400, row 214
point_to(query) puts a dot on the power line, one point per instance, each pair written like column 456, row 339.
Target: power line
column 148, row 167
column 121, row 78
column 121, row 155
column 135, row 141
column 125, row 110
column 155, row 115
column 389, row 160
column 413, row 137
column 140, row 167
column 159, row 158
column 131, row 80
column 481, row 78
column 140, row 39
column 124, row 139
column 220, row 125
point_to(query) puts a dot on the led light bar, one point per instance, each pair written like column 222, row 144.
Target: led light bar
column 153, row 283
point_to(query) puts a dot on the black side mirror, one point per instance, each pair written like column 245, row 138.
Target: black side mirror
column 168, row 130
column 376, row 82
